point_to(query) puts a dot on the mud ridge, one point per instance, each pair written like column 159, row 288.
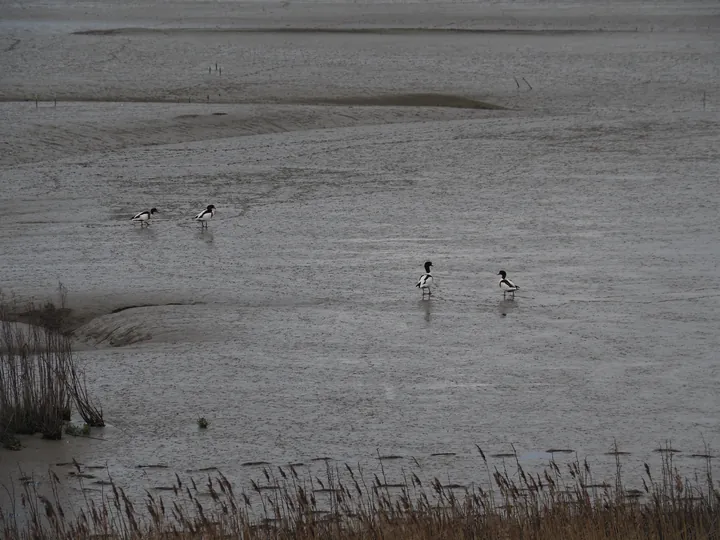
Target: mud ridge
column 123, row 308
column 405, row 100
column 320, row 30
column 419, row 100
column 151, row 120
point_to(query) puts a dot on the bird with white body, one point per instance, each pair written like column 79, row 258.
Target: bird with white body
column 144, row 217
column 206, row 215
column 507, row 286
column 425, row 281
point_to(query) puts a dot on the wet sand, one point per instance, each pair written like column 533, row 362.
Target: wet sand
column 293, row 323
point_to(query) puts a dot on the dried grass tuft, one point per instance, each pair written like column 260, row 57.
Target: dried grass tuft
column 39, row 376
column 560, row 502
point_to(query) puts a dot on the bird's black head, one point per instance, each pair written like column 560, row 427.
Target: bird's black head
column 153, row 210
column 211, row 207
column 428, row 264
column 502, row 273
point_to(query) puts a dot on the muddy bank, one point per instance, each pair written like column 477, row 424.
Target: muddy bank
column 132, row 31
column 129, row 325
column 408, row 100
column 74, row 128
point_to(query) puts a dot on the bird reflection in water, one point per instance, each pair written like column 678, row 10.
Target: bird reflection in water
column 427, row 309
column 206, row 235
column 506, row 306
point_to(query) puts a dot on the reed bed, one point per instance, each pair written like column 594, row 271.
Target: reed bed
column 563, row 501
column 40, row 379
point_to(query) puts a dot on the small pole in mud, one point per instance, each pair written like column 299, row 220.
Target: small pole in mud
column 216, row 68
column 517, row 84
column 209, row 69
column 220, row 71
column 524, row 79
column 703, row 100
column 208, row 98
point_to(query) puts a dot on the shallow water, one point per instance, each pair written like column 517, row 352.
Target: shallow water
column 293, row 323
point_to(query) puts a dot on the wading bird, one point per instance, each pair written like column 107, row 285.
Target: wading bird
column 206, row 215
column 425, row 281
column 507, row 286
column 144, row 217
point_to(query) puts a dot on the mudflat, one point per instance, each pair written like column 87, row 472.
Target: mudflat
column 573, row 145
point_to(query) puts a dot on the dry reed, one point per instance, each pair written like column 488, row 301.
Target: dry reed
column 39, row 376
column 561, row 502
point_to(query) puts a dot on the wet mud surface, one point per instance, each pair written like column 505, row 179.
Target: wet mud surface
column 292, row 323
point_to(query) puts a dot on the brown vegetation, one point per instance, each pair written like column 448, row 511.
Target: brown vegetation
column 561, row 502
column 39, row 376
